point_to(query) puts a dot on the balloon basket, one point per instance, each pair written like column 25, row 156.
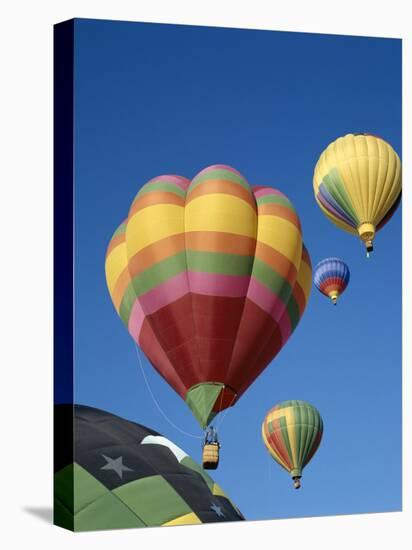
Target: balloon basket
column 210, row 459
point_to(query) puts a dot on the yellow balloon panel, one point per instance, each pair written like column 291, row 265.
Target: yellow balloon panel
column 153, row 224
column 281, row 235
column 221, row 213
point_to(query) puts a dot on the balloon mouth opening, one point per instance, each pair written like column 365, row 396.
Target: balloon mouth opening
column 334, row 297
column 367, row 233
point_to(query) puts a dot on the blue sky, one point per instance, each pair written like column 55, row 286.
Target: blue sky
column 153, row 99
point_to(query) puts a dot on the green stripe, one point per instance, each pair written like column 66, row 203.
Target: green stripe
column 313, row 428
column 275, row 199
column 200, row 261
column 293, row 311
column 214, row 263
column 128, row 300
column 204, row 262
column 149, row 279
column 310, row 419
column 159, row 273
column 161, row 186
column 120, row 230
column 272, row 280
column 290, row 403
column 336, row 188
column 299, row 434
column 219, row 263
column 222, row 175
column 279, row 286
column 304, row 432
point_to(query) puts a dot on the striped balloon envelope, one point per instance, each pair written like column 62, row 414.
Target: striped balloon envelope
column 210, row 277
column 357, row 184
column 292, row 432
column 331, row 277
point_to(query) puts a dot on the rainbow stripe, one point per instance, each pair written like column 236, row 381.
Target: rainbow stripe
column 357, row 180
column 210, row 277
column 292, row 432
column 331, row 277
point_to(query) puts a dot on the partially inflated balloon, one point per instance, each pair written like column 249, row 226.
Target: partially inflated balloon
column 331, row 277
column 113, row 474
column 210, row 277
column 292, row 432
column 357, row 184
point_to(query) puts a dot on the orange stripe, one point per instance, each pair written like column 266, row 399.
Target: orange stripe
column 156, row 252
column 277, row 261
column 115, row 242
column 280, row 444
column 214, row 241
column 280, row 211
column 221, row 186
column 276, row 442
column 120, row 288
column 210, row 241
column 156, row 197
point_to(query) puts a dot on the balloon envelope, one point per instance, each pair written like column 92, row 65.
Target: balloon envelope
column 331, row 277
column 292, row 432
column 357, row 184
column 210, row 277
column 120, row 474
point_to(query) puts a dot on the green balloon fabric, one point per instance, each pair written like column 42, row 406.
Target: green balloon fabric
column 125, row 475
column 292, row 432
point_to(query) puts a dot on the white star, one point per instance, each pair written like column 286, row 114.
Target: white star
column 115, row 464
column 217, row 510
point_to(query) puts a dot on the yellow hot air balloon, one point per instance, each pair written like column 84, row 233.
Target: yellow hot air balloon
column 357, row 184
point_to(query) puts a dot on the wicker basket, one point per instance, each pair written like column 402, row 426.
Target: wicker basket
column 211, row 456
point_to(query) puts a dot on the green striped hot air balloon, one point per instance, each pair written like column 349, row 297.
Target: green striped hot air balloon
column 292, row 432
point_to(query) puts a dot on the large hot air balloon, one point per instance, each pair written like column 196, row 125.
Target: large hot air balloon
column 292, row 432
column 331, row 277
column 357, row 184
column 210, row 277
column 119, row 474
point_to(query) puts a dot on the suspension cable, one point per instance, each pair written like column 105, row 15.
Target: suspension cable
column 157, row 403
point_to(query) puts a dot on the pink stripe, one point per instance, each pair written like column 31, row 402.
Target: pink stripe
column 136, row 320
column 164, row 294
column 180, row 181
column 209, row 284
column 202, row 283
column 212, row 284
column 267, row 191
column 285, row 327
column 266, row 299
